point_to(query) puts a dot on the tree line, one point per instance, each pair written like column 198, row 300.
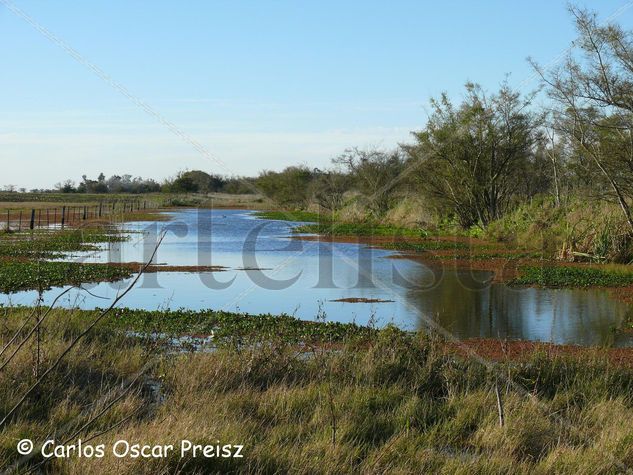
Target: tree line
column 194, row 181
column 479, row 159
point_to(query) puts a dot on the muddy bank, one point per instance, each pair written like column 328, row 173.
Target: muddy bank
column 515, row 350
column 504, row 269
column 136, row 266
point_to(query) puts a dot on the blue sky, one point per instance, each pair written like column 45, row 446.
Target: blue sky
column 260, row 84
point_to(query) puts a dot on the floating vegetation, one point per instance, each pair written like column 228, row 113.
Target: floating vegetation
column 359, row 229
column 32, row 275
column 231, row 326
column 568, row 276
column 26, row 263
column 50, row 245
column 424, row 246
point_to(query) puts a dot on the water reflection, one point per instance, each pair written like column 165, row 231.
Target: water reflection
column 306, row 277
column 586, row 317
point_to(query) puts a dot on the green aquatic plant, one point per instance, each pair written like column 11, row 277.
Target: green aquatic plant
column 32, row 275
column 360, row 229
column 301, row 216
column 233, row 326
column 424, row 246
column 47, row 244
column 568, row 276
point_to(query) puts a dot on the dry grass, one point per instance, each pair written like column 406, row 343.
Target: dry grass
column 396, row 404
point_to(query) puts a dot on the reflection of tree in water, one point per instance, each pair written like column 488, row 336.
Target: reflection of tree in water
column 468, row 307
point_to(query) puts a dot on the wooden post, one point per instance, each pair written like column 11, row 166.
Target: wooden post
column 85, row 211
column 100, row 208
column 63, row 216
column 54, row 216
column 32, row 223
column 8, row 220
column 20, row 222
column 39, row 218
column 48, row 222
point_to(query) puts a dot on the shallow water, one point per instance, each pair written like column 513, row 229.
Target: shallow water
column 304, row 277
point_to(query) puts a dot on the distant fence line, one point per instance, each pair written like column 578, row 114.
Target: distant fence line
column 19, row 219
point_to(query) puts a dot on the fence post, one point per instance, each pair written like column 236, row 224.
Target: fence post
column 20, row 222
column 63, row 216
column 39, row 218
column 85, row 211
column 8, row 220
column 100, row 208
column 32, row 224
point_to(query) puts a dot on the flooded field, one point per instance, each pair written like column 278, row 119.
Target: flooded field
column 261, row 269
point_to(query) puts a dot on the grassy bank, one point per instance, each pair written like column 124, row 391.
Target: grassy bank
column 513, row 263
column 384, row 401
column 328, row 225
column 26, row 201
column 296, row 215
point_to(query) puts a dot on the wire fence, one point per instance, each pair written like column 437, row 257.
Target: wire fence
column 63, row 216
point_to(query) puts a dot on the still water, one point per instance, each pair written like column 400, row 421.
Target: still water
column 266, row 271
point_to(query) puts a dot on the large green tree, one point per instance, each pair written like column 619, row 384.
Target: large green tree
column 471, row 159
column 289, row 187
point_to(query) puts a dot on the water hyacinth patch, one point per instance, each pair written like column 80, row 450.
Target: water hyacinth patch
column 567, row 276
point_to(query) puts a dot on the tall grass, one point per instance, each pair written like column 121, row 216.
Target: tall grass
column 580, row 230
column 396, row 403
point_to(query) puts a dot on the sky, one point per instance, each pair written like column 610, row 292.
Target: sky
column 235, row 87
